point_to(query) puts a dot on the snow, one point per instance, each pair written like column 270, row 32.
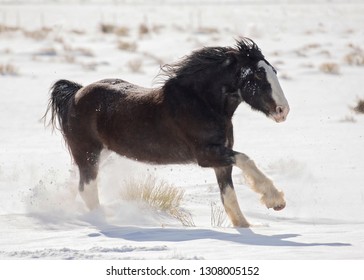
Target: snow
column 315, row 157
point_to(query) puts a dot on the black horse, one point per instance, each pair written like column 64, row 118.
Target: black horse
column 186, row 120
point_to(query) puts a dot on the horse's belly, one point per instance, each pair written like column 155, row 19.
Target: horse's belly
column 153, row 151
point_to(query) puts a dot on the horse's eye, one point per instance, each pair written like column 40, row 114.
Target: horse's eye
column 259, row 74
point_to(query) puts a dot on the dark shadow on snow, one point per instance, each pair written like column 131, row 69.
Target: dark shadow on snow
column 242, row 236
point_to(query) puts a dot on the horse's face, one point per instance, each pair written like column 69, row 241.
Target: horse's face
column 261, row 90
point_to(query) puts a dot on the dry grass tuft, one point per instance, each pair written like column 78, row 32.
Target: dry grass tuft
column 207, row 30
column 127, row 46
column 218, row 215
column 107, row 28
column 158, row 195
column 330, row 68
column 355, row 56
column 37, row 35
column 114, row 29
column 7, row 28
column 143, row 29
column 359, row 108
column 8, row 69
column 122, row 31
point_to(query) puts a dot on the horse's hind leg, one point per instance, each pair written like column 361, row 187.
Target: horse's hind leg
column 228, row 197
column 271, row 197
column 87, row 158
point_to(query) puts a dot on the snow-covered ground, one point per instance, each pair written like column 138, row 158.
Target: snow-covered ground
column 316, row 157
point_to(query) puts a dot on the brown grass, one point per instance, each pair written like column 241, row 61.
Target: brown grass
column 355, row 56
column 114, row 29
column 207, row 30
column 37, row 35
column 143, row 29
column 330, row 68
column 218, row 215
column 158, row 195
column 7, row 28
column 127, row 46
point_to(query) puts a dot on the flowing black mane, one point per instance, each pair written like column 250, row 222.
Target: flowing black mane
column 247, row 48
column 209, row 57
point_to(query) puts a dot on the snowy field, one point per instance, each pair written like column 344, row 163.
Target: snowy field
column 316, row 157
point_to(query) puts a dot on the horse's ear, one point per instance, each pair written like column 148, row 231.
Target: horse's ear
column 231, row 58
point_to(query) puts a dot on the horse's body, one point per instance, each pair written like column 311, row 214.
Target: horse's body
column 187, row 120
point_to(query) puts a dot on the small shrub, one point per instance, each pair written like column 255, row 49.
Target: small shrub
column 8, row 69
column 359, row 108
column 330, row 68
column 158, row 195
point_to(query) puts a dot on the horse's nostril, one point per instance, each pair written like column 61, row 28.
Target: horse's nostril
column 279, row 109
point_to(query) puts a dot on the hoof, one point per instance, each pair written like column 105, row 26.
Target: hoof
column 279, row 207
column 274, row 200
column 242, row 225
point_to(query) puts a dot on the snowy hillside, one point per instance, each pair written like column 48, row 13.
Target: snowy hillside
column 316, row 157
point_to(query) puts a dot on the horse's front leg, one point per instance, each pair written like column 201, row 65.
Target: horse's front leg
column 271, row 197
column 228, row 196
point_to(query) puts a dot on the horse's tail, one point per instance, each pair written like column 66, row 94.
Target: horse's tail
column 62, row 93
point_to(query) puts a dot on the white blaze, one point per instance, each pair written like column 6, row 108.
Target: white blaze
column 277, row 92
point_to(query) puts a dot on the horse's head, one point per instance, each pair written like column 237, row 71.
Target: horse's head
column 225, row 76
column 258, row 84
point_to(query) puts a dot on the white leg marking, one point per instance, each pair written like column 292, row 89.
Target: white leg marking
column 271, row 197
column 104, row 156
column 232, row 208
column 90, row 195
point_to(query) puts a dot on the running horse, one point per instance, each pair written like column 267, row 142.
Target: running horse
column 188, row 119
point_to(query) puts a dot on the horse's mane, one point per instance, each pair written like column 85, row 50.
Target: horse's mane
column 208, row 57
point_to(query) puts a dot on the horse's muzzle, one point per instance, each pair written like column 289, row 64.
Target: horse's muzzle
column 280, row 115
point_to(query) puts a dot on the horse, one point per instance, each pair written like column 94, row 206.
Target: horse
column 187, row 119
